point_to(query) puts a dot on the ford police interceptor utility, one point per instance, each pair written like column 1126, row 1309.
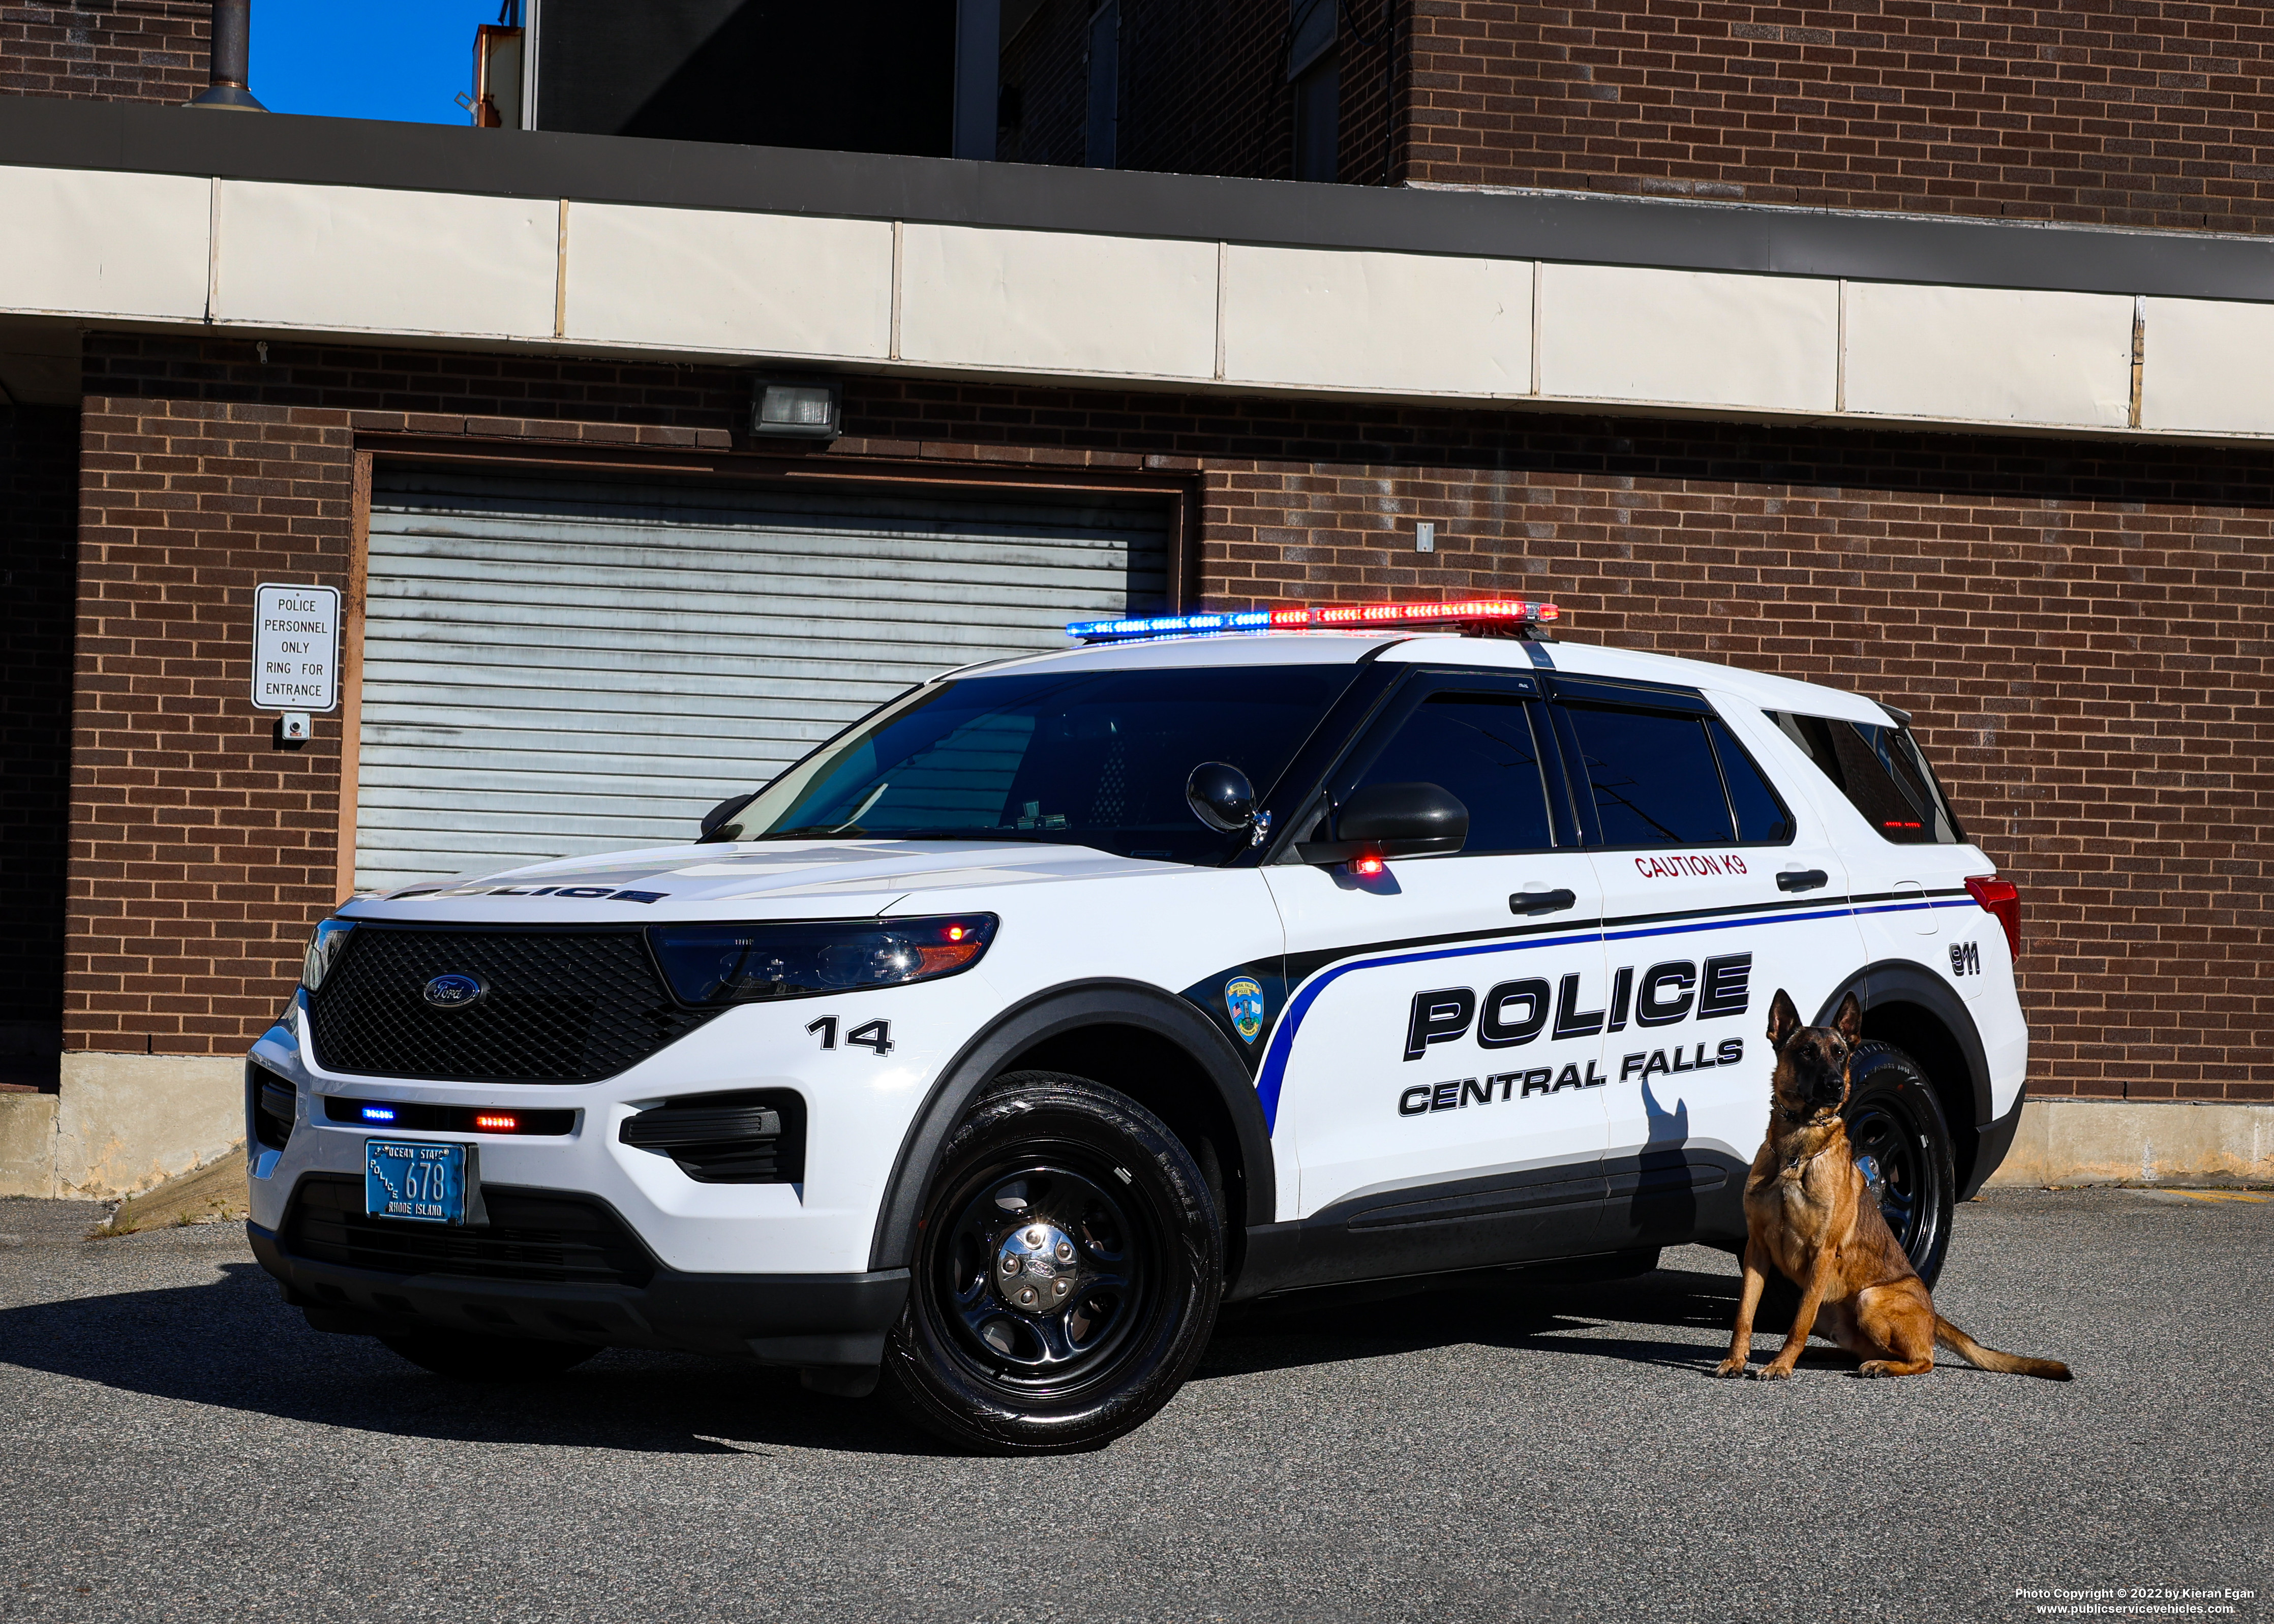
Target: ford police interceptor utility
column 991, row 1048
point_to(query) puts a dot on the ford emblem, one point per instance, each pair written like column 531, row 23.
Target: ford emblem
column 456, row 992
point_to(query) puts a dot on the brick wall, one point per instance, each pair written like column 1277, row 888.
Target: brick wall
column 105, row 50
column 2078, row 628
column 2125, row 112
column 39, row 486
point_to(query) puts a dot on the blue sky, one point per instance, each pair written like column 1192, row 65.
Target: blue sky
column 400, row 59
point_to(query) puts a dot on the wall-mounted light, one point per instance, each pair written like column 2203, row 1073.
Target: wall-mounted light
column 797, row 409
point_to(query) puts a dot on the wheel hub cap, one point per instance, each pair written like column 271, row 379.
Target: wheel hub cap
column 1035, row 1268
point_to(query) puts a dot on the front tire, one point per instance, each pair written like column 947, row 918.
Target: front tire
column 1894, row 1119
column 1066, row 1276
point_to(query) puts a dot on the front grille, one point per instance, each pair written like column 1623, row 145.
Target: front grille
column 560, row 1006
column 532, row 1235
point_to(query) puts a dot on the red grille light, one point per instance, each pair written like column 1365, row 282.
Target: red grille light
column 2003, row 898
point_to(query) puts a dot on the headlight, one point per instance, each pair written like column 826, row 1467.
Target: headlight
column 736, row 964
column 323, row 948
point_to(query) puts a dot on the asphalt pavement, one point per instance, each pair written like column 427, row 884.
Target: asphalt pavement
column 176, row 1444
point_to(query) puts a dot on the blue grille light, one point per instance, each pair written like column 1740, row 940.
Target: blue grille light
column 378, row 1113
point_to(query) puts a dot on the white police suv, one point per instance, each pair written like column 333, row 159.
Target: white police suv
column 995, row 1044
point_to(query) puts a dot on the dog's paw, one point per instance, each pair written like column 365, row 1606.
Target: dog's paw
column 1874, row 1367
column 1730, row 1367
column 1778, row 1371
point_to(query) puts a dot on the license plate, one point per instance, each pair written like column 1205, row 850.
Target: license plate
column 405, row 1178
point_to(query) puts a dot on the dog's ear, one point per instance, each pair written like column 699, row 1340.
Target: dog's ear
column 1849, row 1021
column 1784, row 1020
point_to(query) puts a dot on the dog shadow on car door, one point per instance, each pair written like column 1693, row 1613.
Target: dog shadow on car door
column 231, row 1343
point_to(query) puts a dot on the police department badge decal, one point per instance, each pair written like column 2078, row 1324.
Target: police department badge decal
column 1243, row 997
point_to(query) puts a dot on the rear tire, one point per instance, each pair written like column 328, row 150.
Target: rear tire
column 470, row 1358
column 1066, row 1276
column 1894, row 1118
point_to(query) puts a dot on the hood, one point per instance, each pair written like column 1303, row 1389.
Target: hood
column 842, row 878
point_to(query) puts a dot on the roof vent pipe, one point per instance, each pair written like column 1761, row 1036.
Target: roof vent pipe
column 231, row 56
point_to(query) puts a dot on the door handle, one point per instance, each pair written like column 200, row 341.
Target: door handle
column 1541, row 901
column 1802, row 879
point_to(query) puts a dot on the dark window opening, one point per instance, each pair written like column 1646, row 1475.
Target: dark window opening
column 1658, row 778
column 1094, row 758
column 1761, row 817
column 1315, row 70
column 1882, row 771
column 1318, row 106
column 1101, row 138
column 1482, row 749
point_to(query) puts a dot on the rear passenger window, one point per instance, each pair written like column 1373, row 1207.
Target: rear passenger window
column 1653, row 776
column 1881, row 772
column 1483, row 750
column 1761, row 818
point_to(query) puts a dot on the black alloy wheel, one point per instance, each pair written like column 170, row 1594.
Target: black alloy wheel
column 465, row 1356
column 1067, row 1272
column 1899, row 1137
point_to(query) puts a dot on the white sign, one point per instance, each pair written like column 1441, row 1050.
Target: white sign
column 296, row 648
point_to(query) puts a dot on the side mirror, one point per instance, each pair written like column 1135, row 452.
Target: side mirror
column 716, row 817
column 1221, row 797
column 1393, row 820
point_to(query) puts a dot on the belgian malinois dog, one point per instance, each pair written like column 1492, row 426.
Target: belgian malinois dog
column 1809, row 1214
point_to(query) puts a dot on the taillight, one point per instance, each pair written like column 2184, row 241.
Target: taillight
column 2003, row 898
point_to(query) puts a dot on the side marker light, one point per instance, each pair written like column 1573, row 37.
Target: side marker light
column 1366, row 868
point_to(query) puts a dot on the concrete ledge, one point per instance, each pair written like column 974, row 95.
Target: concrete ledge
column 2137, row 1142
column 119, row 1123
column 27, row 1144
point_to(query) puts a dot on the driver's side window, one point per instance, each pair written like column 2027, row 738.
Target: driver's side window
column 1485, row 749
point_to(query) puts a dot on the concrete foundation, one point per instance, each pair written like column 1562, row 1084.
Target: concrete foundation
column 2140, row 1141
column 120, row 1122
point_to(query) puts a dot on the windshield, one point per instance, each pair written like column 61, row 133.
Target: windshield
column 1070, row 758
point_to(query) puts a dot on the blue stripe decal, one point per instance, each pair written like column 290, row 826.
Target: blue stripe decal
column 1273, row 1070
column 1283, row 1036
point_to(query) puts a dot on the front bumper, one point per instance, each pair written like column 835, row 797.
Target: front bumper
column 807, row 1320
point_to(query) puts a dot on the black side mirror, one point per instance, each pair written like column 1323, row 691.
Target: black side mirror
column 1393, row 820
column 1221, row 797
column 717, row 816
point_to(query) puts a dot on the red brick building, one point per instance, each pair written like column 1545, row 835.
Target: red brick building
column 2013, row 479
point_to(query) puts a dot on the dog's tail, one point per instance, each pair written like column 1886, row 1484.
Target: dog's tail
column 1990, row 1359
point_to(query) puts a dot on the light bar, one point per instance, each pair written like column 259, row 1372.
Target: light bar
column 1323, row 617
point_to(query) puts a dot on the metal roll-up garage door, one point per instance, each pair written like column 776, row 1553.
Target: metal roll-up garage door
column 552, row 668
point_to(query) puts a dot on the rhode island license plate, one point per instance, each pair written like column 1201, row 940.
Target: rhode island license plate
column 425, row 1183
